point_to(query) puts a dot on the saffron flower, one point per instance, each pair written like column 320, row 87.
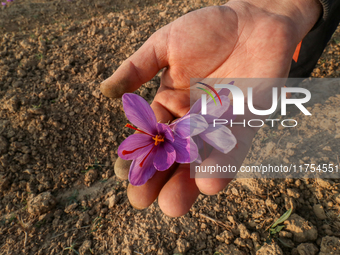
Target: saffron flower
column 157, row 146
column 220, row 137
column 3, row 3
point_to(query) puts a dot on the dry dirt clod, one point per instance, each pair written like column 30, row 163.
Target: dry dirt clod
column 293, row 193
column 229, row 250
column 307, row 249
column 111, row 201
column 42, row 203
column 270, row 249
column 303, row 231
column 330, row 245
column 71, row 208
column 337, row 198
column 319, row 212
column 244, row 232
column 85, row 247
column 182, row 246
column 226, row 236
column 90, row 177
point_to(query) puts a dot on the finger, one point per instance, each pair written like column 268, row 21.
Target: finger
column 179, row 193
column 143, row 196
column 140, row 67
column 121, row 168
column 211, row 186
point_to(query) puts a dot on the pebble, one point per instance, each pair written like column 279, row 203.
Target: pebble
column 319, row 212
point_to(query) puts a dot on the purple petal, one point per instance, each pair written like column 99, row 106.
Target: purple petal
column 215, row 111
column 140, row 175
column 198, row 141
column 139, row 112
column 224, row 91
column 189, row 125
column 220, row 138
column 186, row 150
column 3, row 3
column 199, row 159
column 165, row 156
column 165, row 130
column 228, row 115
column 196, row 107
column 131, row 144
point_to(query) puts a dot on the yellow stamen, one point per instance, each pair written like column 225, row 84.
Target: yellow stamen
column 158, row 139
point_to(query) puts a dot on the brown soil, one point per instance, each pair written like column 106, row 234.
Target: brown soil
column 59, row 137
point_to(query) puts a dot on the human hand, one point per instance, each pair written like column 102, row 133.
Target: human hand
column 240, row 39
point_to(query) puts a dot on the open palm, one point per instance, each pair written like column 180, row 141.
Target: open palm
column 237, row 40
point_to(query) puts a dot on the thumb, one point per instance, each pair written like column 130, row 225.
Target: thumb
column 139, row 68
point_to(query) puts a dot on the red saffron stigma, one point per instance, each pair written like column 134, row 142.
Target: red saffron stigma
column 141, row 163
column 137, row 129
column 124, row 152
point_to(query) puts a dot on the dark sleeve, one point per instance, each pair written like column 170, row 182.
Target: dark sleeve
column 316, row 40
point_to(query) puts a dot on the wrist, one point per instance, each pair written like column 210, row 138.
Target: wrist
column 303, row 14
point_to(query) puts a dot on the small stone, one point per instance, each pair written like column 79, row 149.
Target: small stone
column 122, row 168
column 330, row 245
column 85, row 247
column 111, row 201
column 302, row 230
column 96, row 93
column 319, row 212
column 270, row 249
column 71, row 207
column 99, row 67
column 42, row 203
